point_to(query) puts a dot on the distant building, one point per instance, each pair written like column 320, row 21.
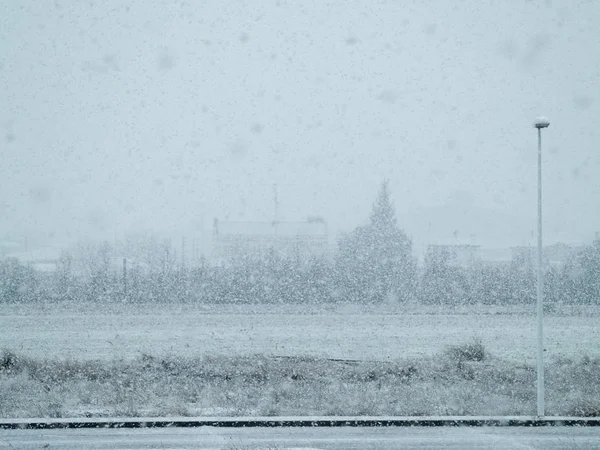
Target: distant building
column 233, row 241
column 556, row 255
column 9, row 246
column 560, row 254
column 496, row 256
column 523, row 256
column 460, row 255
column 41, row 259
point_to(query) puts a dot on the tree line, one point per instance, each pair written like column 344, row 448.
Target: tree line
column 374, row 264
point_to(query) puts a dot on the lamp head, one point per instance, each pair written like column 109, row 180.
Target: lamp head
column 541, row 122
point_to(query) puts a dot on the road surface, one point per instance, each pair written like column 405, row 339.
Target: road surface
column 346, row 438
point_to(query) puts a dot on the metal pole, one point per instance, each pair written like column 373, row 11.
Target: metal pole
column 125, row 277
column 540, row 292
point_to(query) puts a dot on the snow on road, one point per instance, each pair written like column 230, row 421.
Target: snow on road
column 501, row 438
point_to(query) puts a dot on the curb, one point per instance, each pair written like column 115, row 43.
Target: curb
column 270, row 422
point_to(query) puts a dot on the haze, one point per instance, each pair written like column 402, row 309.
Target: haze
column 119, row 117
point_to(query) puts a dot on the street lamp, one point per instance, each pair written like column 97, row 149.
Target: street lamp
column 541, row 122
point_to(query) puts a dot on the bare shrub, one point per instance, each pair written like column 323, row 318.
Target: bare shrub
column 471, row 351
column 9, row 362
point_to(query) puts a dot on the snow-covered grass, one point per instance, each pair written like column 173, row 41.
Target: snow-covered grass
column 454, row 382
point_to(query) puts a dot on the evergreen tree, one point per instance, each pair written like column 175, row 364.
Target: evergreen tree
column 590, row 278
column 375, row 262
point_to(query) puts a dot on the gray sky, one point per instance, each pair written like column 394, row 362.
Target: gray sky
column 119, row 116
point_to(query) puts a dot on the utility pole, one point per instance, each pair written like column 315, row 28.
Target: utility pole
column 182, row 253
column 275, row 203
column 125, row 277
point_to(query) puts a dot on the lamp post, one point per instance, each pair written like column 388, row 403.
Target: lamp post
column 540, row 123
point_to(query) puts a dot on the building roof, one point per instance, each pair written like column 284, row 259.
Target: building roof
column 271, row 228
column 41, row 254
column 451, row 245
column 10, row 244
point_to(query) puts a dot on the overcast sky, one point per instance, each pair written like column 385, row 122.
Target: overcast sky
column 120, row 116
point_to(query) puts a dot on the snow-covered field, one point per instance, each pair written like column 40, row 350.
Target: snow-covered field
column 88, row 331
column 195, row 360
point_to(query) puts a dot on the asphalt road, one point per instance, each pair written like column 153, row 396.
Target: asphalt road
column 547, row 438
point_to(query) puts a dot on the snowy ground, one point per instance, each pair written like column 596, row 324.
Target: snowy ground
column 184, row 360
column 91, row 331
